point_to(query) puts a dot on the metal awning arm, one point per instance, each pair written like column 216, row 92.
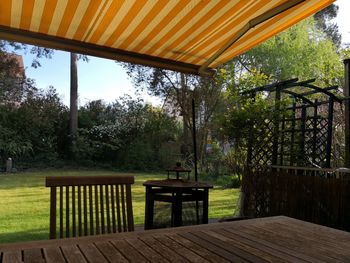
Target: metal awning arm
column 251, row 24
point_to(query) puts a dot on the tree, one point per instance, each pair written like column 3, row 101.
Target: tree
column 73, row 113
column 35, row 129
column 39, row 52
column 127, row 133
column 303, row 52
column 14, row 86
column 73, row 109
column 177, row 90
column 323, row 20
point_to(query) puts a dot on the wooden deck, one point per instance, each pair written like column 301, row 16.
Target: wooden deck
column 273, row 239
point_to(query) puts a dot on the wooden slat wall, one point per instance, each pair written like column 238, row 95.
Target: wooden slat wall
column 318, row 196
column 88, row 210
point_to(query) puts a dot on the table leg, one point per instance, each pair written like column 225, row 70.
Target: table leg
column 205, row 206
column 172, row 223
column 149, row 209
column 197, row 212
column 178, row 208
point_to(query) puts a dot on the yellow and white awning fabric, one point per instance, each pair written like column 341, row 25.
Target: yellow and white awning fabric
column 190, row 36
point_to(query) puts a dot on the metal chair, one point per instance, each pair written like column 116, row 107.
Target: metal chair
column 90, row 205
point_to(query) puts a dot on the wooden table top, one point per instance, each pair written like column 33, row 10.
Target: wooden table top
column 272, row 239
column 177, row 183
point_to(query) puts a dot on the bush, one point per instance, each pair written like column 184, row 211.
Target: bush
column 229, row 181
column 34, row 128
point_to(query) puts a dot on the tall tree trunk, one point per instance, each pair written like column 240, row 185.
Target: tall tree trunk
column 73, row 113
column 185, row 148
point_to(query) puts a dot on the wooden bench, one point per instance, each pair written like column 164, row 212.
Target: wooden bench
column 90, row 205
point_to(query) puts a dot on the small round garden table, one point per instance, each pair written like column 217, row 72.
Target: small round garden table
column 176, row 192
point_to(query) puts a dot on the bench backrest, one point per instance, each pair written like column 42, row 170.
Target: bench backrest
column 90, row 205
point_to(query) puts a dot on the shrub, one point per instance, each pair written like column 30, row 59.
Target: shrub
column 229, row 181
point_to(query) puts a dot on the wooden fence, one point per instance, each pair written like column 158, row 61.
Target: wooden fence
column 320, row 196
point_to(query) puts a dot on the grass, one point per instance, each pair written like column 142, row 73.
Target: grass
column 24, row 202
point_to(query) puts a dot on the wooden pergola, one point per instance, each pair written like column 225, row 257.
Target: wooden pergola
column 299, row 134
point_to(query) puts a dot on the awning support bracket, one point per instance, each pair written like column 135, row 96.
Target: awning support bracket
column 251, row 24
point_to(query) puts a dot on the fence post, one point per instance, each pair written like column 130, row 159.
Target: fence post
column 9, row 165
column 330, row 133
column 347, row 111
column 276, row 123
column 250, row 141
column 292, row 137
column 301, row 153
column 314, row 140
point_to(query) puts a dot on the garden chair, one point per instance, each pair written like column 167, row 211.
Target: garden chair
column 90, row 205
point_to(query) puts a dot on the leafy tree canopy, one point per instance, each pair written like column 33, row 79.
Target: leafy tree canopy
column 303, row 52
column 323, row 20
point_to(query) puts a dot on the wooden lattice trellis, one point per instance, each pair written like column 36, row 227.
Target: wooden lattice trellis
column 297, row 135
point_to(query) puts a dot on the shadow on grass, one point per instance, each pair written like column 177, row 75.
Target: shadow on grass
column 37, row 179
column 20, row 180
column 22, row 236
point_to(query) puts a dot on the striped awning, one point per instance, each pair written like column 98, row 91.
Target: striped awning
column 191, row 36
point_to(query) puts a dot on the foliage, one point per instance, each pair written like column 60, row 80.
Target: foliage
column 235, row 160
column 323, row 20
column 127, row 133
column 230, row 181
column 39, row 52
column 12, row 144
column 35, row 128
column 241, row 116
column 14, row 86
column 303, row 52
column 178, row 90
column 211, row 164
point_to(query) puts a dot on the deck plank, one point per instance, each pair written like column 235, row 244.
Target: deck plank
column 146, row 251
column 329, row 239
column 12, row 257
column 260, row 249
column 213, row 248
column 250, row 249
column 201, row 251
column 33, row 255
column 110, row 252
column 337, row 234
column 92, row 253
column 326, row 246
column 303, row 243
column 166, row 252
column 53, row 255
column 128, row 251
column 265, row 245
column 229, row 246
column 285, row 246
column 180, row 249
column 73, row 254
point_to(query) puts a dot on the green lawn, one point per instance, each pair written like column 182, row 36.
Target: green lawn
column 24, row 202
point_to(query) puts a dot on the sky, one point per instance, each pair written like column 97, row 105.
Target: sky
column 105, row 79
column 97, row 79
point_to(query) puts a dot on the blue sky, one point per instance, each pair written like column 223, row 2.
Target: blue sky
column 104, row 79
column 97, row 79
